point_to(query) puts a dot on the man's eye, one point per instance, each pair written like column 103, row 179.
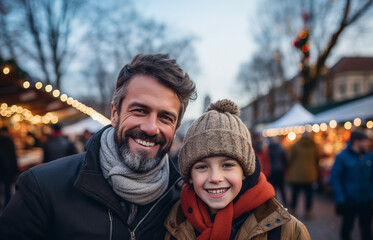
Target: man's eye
column 138, row 110
column 167, row 118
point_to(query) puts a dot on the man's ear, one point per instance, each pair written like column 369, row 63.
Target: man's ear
column 114, row 115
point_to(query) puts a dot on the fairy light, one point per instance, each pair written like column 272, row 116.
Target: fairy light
column 48, row 88
column 333, row 124
column 292, row 136
column 26, row 84
column 70, row 101
column 347, row 125
column 6, row 70
column 323, row 127
column 315, row 128
column 357, row 122
column 56, row 93
column 38, row 85
column 370, row 124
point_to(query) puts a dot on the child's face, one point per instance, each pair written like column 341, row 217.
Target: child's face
column 217, row 181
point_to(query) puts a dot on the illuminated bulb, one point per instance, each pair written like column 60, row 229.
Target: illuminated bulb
column 4, row 106
column 26, row 84
column 315, row 128
column 333, row 124
column 38, row 85
column 63, row 97
column 348, row 125
column 323, row 127
column 14, row 108
column 48, row 88
column 292, row 136
column 70, row 100
column 6, row 70
column 56, row 93
column 370, row 124
column 308, row 128
column 357, row 122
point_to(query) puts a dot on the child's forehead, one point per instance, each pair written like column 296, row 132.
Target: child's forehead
column 216, row 159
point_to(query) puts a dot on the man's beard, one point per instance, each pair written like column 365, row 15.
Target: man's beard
column 139, row 161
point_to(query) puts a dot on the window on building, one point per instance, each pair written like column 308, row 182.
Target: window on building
column 342, row 89
column 357, row 88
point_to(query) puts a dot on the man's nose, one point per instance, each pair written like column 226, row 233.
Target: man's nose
column 150, row 125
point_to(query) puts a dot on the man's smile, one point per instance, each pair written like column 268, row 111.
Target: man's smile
column 144, row 142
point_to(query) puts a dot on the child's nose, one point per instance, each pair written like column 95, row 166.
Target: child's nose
column 216, row 176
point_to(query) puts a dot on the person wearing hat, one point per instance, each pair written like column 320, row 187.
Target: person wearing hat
column 351, row 179
column 224, row 194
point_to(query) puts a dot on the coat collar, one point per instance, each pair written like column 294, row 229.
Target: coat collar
column 90, row 177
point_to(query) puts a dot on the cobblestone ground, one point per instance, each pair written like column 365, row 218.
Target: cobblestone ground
column 325, row 224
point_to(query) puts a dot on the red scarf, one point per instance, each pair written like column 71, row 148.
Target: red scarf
column 198, row 215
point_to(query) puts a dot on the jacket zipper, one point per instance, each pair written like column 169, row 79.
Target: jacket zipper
column 150, row 210
column 111, row 224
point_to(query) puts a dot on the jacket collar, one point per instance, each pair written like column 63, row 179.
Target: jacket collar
column 90, row 178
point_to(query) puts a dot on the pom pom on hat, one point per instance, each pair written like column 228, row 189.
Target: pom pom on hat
column 224, row 105
column 218, row 132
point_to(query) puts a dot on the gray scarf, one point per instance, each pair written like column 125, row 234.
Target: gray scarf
column 138, row 188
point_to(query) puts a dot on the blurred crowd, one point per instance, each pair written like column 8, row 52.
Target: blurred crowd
column 53, row 145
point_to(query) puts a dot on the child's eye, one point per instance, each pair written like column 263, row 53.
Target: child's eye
column 228, row 165
column 201, row 167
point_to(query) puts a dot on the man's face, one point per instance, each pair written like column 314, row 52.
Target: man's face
column 146, row 123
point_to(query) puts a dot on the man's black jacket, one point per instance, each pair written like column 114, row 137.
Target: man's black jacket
column 70, row 199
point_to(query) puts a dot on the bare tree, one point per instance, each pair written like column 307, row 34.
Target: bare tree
column 278, row 23
column 38, row 32
column 120, row 33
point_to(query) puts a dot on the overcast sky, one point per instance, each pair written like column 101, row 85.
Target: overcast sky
column 223, row 41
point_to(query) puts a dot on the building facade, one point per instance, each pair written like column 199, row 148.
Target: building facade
column 349, row 78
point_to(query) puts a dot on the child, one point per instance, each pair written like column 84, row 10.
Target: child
column 225, row 196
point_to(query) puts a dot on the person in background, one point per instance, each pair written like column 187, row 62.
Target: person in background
column 303, row 164
column 261, row 151
column 57, row 145
column 124, row 185
column 225, row 195
column 277, row 156
column 351, row 179
column 8, row 165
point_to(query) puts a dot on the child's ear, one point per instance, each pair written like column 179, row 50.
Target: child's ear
column 190, row 181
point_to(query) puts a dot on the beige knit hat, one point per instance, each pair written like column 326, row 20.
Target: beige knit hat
column 218, row 132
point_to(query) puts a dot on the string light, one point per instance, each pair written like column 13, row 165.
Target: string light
column 333, row 124
column 19, row 113
column 6, row 70
column 357, row 122
column 347, row 125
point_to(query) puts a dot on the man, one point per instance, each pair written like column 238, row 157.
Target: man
column 57, row 145
column 351, row 179
column 123, row 186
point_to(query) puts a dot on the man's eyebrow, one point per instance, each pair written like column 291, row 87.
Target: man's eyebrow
column 137, row 104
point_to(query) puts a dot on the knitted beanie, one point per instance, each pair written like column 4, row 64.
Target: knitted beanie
column 218, row 132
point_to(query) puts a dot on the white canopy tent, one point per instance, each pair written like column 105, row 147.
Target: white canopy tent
column 362, row 108
column 297, row 115
column 79, row 127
